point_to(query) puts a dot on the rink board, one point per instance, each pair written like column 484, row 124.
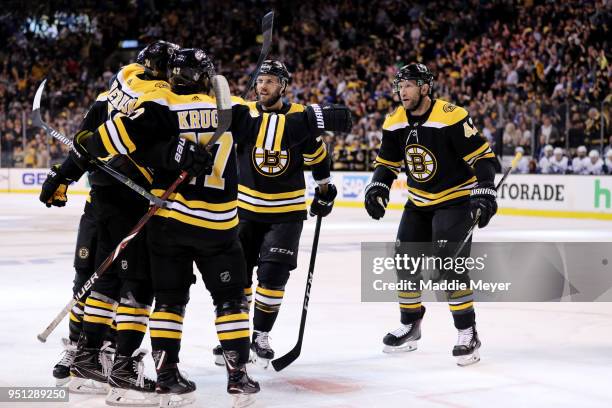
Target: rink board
column 523, row 194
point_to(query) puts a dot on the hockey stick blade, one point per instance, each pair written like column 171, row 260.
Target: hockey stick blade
column 38, row 122
column 223, row 97
column 42, row 337
column 470, row 231
column 267, row 26
column 284, row 361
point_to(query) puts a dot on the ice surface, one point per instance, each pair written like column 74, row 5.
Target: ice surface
column 533, row 354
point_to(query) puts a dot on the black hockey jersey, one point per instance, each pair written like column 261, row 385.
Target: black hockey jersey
column 126, row 86
column 271, row 171
column 205, row 207
column 437, row 150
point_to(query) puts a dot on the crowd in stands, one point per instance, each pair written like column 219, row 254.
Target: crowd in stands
column 534, row 75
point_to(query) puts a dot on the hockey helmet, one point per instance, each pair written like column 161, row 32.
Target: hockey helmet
column 416, row 72
column 276, row 68
column 154, row 58
column 190, row 69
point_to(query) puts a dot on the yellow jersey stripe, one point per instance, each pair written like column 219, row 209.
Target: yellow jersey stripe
column 74, row 318
column 106, row 141
column 316, row 161
column 388, row 162
column 476, row 152
column 484, row 156
column 317, row 152
column 167, row 316
column 441, row 194
column 127, row 142
column 272, row 210
column 132, row 311
column 146, row 173
column 132, row 326
column 234, row 335
column 270, row 292
column 280, row 131
column 461, row 307
column 271, row 196
column 394, row 170
column 198, row 222
column 95, row 319
column 232, row 317
column 197, row 204
column 262, row 130
column 167, row 334
column 441, row 200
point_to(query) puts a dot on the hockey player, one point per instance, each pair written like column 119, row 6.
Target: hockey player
column 594, row 164
column 523, row 165
column 608, row 163
column 166, row 131
column 559, row 162
column 545, row 161
column 579, row 162
column 272, row 206
column 450, row 169
column 125, row 288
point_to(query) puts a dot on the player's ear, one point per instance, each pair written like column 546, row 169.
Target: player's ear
column 424, row 89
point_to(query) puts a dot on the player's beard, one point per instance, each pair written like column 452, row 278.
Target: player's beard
column 416, row 105
column 270, row 100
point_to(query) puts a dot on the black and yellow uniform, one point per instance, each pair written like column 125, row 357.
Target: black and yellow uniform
column 200, row 223
column 272, row 206
column 445, row 158
column 122, row 296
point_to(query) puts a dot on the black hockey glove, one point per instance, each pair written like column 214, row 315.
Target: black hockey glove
column 191, row 157
column 334, row 118
column 54, row 188
column 322, row 203
column 376, row 199
column 483, row 197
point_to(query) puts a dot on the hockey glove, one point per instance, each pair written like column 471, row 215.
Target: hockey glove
column 376, row 199
column 334, row 118
column 54, row 188
column 322, row 203
column 191, row 157
column 483, row 197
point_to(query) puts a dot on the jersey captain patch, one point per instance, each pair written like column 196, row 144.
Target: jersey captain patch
column 270, row 163
column 421, row 163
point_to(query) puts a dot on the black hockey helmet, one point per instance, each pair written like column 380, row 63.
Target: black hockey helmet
column 415, row 72
column 189, row 70
column 276, row 68
column 154, row 57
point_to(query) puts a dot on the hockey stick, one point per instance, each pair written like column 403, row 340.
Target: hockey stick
column 282, row 362
column 470, row 231
column 38, row 122
column 224, row 107
column 267, row 24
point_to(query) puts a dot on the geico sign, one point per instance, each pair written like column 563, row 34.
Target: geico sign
column 532, row 192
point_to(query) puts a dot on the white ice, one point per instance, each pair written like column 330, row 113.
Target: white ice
column 533, row 354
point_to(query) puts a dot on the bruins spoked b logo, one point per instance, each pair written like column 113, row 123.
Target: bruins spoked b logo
column 270, row 163
column 421, row 163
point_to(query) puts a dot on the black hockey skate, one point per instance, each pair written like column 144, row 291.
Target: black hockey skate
column 261, row 352
column 239, row 385
column 90, row 369
column 172, row 387
column 466, row 349
column 129, row 386
column 61, row 371
column 218, row 356
column 404, row 338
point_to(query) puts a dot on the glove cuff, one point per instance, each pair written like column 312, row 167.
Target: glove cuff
column 375, row 184
column 483, row 191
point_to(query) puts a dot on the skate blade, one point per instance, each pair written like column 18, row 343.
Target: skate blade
column 121, row 397
column 176, row 400
column 243, row 400
column 80, row 385
column 469, row 359
column 406, row 347
column 258, row 361
column 219, row 361
column 61, row 382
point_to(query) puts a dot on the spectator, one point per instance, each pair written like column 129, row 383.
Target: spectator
column 548, row 132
